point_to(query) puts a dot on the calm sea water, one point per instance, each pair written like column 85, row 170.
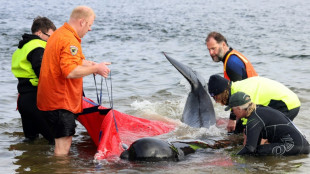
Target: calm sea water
column 274, row 35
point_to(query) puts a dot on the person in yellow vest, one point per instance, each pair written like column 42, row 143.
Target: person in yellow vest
column 263, row 91
column 236, row 66
column 26, row 64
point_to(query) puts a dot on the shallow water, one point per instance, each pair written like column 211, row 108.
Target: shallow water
column 274, row 35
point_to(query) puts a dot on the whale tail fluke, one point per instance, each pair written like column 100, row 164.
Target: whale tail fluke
column 198, row 110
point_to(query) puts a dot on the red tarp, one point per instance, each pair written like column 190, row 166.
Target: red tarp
column 109, row 136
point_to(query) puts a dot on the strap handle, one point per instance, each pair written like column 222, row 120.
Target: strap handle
column 109, row 90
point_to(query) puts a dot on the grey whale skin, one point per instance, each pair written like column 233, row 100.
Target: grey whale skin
column 198, row 111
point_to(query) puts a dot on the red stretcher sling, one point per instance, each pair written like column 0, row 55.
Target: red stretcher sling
column 109, row 128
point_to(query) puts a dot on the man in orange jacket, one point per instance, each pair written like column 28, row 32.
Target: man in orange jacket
column 236, row 66
column 61, row 78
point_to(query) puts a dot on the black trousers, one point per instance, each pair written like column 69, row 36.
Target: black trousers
column 33, row 120
column 281, row 106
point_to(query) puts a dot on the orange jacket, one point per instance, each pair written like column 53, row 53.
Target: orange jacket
column 62, row 54
column 248, row 66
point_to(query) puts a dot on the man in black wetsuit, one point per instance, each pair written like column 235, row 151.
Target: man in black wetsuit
column 283, row 136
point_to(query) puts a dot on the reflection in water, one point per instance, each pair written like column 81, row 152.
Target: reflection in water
column 34, row 156
column 270, row 163
column 38, row 157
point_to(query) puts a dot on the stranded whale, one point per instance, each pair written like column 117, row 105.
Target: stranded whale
column 198, row 111
column 153, row 150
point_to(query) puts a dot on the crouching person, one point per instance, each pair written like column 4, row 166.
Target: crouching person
column 266, row 123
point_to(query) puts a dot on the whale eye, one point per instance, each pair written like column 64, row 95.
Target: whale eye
column 124, row 146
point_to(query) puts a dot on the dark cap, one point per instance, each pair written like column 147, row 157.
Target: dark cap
column 217, row 84
column 238, row 99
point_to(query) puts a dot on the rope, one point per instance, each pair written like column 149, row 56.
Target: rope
column 96, row 88
column 111, row 99
column 100, row 101
column 110, row 96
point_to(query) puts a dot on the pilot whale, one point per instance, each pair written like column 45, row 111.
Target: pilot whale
column 198, row 111
column 151, row 149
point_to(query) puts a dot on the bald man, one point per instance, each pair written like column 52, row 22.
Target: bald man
column 61, row 78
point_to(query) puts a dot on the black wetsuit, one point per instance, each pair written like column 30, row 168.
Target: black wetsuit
column 283, row 137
